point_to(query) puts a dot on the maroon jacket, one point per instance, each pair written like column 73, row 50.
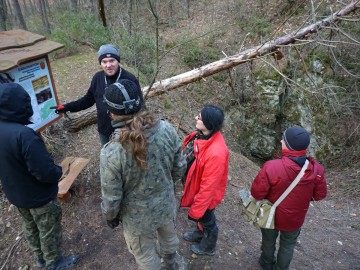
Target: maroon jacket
column 276, row 176
column 207, row 177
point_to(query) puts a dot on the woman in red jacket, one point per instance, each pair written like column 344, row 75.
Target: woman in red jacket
column 271, row 182
column 207, row 157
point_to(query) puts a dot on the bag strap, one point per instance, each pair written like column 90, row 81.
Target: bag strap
column 286, row 192
column 293, row 184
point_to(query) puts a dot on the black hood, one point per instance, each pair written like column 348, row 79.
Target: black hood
column 15, row 103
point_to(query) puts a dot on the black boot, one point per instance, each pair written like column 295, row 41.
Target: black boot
column 40, row 262
column 64, row 263
column 194, row 236
column 170, row 261
column 208, row 243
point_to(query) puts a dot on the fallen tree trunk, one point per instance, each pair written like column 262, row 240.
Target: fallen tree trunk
column 197, row 74
column 78, row 122
column 160, row 87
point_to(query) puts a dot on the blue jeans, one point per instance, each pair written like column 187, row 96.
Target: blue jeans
column 287, row 243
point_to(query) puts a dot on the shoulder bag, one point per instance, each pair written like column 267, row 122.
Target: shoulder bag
column 261, row 213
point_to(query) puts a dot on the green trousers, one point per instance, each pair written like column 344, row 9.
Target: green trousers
column 42, row 230
column 144, row 249
column 287, row 243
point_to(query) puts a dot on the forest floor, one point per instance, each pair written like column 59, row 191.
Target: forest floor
column 329, row 239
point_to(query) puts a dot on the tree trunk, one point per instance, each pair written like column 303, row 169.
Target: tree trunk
column 130, row 12
column 44, row 16
column 162, row 86
column 74, row 124
column 3, row 15
column 156, row 17
column 171, row 12
column 18, row 14
column 188, row 8
column 32, row 8
column 74, row 5
column 102, row 12
column 92, row 6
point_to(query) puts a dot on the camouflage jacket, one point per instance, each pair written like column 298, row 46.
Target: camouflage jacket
column 144, row 200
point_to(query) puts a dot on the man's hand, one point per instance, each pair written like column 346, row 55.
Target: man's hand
column 113, row 223
column 59, row 109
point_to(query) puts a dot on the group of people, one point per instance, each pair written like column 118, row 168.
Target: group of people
column 141, row 158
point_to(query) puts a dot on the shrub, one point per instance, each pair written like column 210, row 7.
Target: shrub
column 195, row 55
column 72, row 29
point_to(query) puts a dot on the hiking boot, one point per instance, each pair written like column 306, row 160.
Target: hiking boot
column 40, row 262
column 194, row 236
column 208, row 242
column 170, row 261
column 201, row 251
column 64, row 263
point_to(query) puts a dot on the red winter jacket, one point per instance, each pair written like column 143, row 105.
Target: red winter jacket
column 276, row 176
column 207, row 177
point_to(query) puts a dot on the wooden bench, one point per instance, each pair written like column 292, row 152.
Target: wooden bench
column 71, row 167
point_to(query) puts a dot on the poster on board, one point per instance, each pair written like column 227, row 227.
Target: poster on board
column 35, row 78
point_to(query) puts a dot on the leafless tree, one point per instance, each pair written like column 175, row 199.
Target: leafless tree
column 18, row 14
column 3, row 15
column 102, row 14
column 74, row 5
column 44, row 15
column 156, row 17
column 188, row 8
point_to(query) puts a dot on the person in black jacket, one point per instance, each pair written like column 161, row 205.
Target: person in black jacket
column 29, row 179
column 111, row 72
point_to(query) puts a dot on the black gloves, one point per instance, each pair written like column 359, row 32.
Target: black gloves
column 59, row 109
column 193, row 219
column 113, row 223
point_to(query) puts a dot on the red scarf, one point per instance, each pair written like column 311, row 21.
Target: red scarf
column 293, row 153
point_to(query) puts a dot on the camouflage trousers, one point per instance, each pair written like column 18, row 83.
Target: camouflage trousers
column 42, row 230
column 144, row 247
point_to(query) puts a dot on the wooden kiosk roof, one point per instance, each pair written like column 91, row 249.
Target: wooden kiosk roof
column 19, row 46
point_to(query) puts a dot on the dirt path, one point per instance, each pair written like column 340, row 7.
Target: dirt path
column 329, row 239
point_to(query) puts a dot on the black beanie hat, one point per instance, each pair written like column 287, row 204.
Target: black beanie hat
column 212, row 117
column 123, row 97
column 15, row 103
column 108, row 50
column 296, row 138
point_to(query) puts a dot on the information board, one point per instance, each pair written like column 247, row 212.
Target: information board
column 35, row 78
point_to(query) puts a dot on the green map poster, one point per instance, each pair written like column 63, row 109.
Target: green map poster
column 35, row 78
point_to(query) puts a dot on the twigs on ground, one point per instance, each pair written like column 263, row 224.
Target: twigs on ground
column 11, row 251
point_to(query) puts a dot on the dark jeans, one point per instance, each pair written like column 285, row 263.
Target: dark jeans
column 104, row 139
column 42, row 230
column 285, row 253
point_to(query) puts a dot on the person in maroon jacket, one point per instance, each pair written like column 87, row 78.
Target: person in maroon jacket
column 207, row 159
column 271, row 182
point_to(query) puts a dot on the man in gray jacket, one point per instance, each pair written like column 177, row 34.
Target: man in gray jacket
column 138, row 168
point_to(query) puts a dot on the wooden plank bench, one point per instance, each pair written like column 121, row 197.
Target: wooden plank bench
column 71, row 167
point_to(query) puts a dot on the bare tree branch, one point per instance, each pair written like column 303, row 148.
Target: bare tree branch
column 341, row 65
column 231, row 61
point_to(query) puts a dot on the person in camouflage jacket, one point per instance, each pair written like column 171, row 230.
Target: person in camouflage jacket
column 138, row 168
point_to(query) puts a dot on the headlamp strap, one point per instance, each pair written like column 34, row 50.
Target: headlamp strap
column 128, row 104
